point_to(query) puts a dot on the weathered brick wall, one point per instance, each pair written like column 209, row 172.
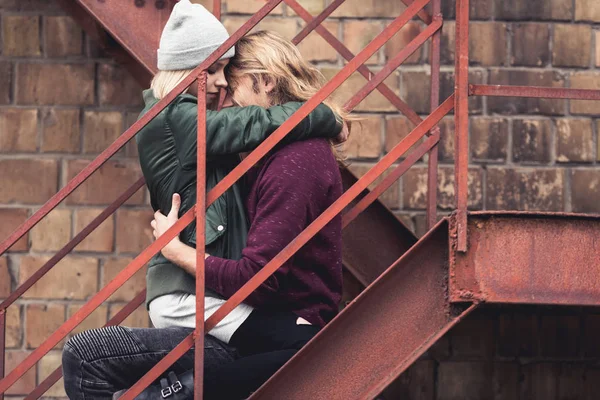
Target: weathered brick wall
column 62, row 101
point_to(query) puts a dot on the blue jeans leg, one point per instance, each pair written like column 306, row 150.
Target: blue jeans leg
column 100, row 362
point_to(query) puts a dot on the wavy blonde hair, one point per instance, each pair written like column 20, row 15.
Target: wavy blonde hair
column 267, row 56
column 165, row 81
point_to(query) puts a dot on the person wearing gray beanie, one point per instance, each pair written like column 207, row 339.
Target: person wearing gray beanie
column 191, row 34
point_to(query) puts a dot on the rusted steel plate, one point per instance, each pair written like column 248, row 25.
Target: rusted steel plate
column 529, row 258
column 135, row 24
column 378, row 335
column 375, row 231
column 533, row 91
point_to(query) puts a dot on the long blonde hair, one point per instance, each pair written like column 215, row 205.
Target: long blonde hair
column 266, row 55
column 165, row 81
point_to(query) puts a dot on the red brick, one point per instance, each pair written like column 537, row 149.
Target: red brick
column 315, row 48
column 591, row 332
column 487, row 43
column 286, row 27
column 478, row 9
column 374, row 102
column 391, row 197
column 370, row 8
column 6, row 280
column 446, row 144
column 5, row 81
column 448, row 43
column 21, row 36
column 27, row 382
column 416, row 383
column 28, row 181
column 365, row 139
column 474, row 337
column 513, row 105
column 134, row 233
column 137, row 319
column 36, row 84
column 29, row 5
column 359, row 33
column 47, row 365
column 101, row 128
column 64, row 37
column 116, row 86
column 525, row 189
column 114, row 178
column 575, row 140
column 489, row 139
column 52, row 232
column 61, row 131
column 532, row 140
column 397, row 128
column 560, row 338
column 506, row 381
column 414, row 188
column 531, row 44
column 11, row 219
column 14, row 327
column 572, row 381
column 447, row 89
column 402, row 39
column 247, row 6
column 19, row 129
column 416, row 90
column 539, row 381
column 73, row 278
column 572, row 44
column 102, row 238
column 587, row 10
column 585, row 80
column 96, row 319
column 132, row 287
column 585, row 190
column 42, row 321
column 131, row 149
column 518, row 335
column 464, row 380
column 535, row 9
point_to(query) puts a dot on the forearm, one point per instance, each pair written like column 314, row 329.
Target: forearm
column 182, row 255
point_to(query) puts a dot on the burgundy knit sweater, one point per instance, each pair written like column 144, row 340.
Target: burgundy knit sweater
column 289, row 190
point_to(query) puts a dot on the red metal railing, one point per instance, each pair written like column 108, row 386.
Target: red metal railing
column 424, row 128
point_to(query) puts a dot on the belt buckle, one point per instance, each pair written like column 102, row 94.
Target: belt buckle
column 166, row 392
column 177, row 386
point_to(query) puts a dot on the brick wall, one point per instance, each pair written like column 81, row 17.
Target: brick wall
column 62, row 101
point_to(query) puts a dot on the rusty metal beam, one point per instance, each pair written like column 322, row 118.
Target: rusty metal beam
column 529, row 258
column 533, row 91
column 379, row 334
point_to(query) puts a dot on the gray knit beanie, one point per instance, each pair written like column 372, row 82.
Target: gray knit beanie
column 191, row 34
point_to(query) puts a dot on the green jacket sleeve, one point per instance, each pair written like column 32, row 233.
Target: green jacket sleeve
column 240, row 129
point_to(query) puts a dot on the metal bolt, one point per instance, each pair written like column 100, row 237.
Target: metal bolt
column 140, row 3
column 160, row 4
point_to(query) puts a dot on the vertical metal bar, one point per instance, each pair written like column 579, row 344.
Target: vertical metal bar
column 461, row 118
column 432, row 163
column 200, row 237
column 2, row 345
column 217, row 9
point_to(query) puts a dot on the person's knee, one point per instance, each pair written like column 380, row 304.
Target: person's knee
column 100, row 343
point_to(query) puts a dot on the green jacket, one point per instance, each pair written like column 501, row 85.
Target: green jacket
column 167, row 149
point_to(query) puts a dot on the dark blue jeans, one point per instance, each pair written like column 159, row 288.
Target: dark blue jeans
column 100, row 362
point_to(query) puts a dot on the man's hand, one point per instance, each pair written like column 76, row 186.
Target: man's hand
column 162, row 223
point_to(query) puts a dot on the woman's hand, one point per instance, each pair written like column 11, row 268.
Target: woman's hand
column 162, row 223
column 344, row 134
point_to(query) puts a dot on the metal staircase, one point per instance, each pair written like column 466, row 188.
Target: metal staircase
column 415, row 291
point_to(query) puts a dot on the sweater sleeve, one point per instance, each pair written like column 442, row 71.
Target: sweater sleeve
column 240, row 129
column 282, row 212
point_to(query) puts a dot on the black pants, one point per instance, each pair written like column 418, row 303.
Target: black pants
column 99, row 362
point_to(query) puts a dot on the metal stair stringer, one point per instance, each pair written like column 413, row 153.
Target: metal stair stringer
column 380, row 334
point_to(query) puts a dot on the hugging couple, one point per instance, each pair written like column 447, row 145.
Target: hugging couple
column 267, row 81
